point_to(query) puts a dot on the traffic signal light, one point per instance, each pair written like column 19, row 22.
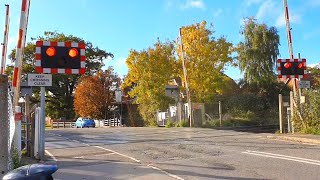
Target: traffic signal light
column 60, row 57
column 295, row 68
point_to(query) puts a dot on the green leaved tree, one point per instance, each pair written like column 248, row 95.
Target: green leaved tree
column 258, row 52
column 149, row 71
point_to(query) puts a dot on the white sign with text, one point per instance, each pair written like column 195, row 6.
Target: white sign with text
column 304, row 84
column 39, row 79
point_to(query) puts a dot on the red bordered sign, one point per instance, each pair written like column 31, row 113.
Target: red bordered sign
column 300, row 62
column 58, row 46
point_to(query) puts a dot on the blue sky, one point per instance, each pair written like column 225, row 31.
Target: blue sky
column 120, row 25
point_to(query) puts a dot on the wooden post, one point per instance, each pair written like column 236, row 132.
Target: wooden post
column 292, row 110
column 280, row 113
column 28, row 126
column 220, row 113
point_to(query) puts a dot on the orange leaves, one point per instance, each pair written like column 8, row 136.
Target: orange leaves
column 89, row 96
column 94, row 95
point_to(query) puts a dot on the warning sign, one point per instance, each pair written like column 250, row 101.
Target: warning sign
column 39, row 79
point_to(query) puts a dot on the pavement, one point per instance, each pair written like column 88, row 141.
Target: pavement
column 300, row 138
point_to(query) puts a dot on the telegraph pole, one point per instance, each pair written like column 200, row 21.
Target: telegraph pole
column 185, row 73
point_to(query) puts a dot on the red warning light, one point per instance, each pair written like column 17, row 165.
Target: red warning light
column 300, row 65
column 51, row 51
column 73, row 52
column 287, row 65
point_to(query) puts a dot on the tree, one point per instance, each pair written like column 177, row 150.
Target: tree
column 149, row 71
column 95, row 95
column 60, row 95
column 205, row 58
column 258, row 52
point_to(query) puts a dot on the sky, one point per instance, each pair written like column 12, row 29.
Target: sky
column 120, row 25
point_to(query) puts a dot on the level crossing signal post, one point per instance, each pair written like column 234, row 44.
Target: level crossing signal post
column 292, row 69
column 54, row 57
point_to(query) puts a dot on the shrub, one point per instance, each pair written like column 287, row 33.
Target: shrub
column 244, row 105
column 184, row 124
column 311, row 114
column 15, row 159
column 170, row 124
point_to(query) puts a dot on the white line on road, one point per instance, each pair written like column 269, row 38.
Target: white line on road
column 132, row 158
column 51, row 155
column 165, row 172
column 284, row 157
column 138, row 161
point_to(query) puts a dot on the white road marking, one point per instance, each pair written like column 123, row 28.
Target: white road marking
column 79, row 157
column 51, row 155
column 123, row 155
column 138, row 161
column 165, row 172
column 284, row 157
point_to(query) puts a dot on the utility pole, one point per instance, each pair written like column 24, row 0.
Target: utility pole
column 185, row 73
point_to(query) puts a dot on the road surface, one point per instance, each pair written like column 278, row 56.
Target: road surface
column 178, row 153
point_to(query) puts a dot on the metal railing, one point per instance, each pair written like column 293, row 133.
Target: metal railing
column 112, row 122
column 63, row 124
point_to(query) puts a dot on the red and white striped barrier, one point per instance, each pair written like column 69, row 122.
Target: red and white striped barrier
column 5, row 41
column 288, row 28
column 81, row 46
column 20, row 46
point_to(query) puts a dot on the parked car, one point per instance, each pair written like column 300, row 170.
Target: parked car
column 85, row 122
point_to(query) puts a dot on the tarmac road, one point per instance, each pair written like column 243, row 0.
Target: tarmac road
column 178, row 153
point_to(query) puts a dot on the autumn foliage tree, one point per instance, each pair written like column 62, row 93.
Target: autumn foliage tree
column 206, row 58
column 95, row 96
column 149, row 72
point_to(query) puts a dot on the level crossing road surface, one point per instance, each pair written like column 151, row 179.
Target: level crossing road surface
column 178, row 153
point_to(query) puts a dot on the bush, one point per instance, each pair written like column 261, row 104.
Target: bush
column 15, row 159
column 311, row 114
column 211, row 124
column 184, row 124
column 170, row 124
column 244, row 105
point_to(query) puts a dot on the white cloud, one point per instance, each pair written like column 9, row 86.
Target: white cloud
column 268, row 8
column 271, row 11
column 314, row 65
column 251, row 2
column 217, row 13
column 194, row 4
column 294, row 18
column 169, row 4
column 119, row 65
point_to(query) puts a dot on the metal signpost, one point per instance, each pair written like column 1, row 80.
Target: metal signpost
column 41, row 80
